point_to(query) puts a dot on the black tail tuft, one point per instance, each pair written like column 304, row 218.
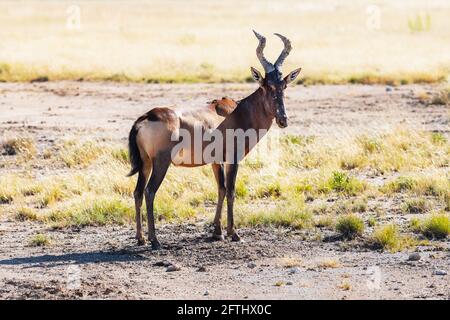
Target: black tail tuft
column 133, row 150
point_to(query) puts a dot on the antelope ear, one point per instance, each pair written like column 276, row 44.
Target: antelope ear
column 257, row 75
column 291, row 76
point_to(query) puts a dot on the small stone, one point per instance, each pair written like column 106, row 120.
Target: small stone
column 251, row 265
column 293, row 270
column 388, row 89
column 108, row 291
column 162, row 264
column 438, row 272
column 415, row 256
column 289, row 283
column 172, row 268
column 201, row 269
column 206, row 293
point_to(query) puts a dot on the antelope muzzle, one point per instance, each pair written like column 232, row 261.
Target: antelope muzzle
column 282, row 120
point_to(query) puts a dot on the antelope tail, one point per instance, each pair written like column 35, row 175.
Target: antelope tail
column 133, row 151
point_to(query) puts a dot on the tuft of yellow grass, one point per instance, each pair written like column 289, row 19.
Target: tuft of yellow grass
column 290, row 262
column 443, row 97
column 329, row 263
column 22, row 146
column 80, row 154
column 345, row 286
column 14, row 187
column 25, row 213
column 279, row 283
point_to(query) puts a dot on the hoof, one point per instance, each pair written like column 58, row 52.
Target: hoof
column 218, row 237
column 235, row 237
column 141, row 242
column 155, row 245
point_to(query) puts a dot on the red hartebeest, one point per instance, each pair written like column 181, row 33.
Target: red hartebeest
column 155, row 136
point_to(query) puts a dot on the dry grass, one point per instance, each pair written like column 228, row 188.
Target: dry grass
column 287, row 214
column 92, row 211
column 90, row 187
column 328, row 263
column 345, row 286
column 207, row 41
column 416, row 205
column 327, row 221
column 76, row 154
column 433, row 184
column 23, row 146
column 25, row 213
column 443, row 97
column 290, row 262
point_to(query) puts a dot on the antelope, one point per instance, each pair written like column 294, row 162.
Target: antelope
column 155, row 137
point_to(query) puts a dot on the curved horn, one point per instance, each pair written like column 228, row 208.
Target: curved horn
column 268, row 67
column 285, row 52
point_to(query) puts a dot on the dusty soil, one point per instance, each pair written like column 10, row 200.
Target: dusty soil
column 103, row 262
column 47, row 109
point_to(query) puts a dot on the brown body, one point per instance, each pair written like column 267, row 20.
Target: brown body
column 155, row 138
column 163, row 125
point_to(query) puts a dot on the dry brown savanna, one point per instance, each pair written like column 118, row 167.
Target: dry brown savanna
column 356, row 207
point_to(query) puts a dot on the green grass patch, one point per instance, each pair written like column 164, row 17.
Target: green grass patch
column 388, row 238
column 400, row 184
column 95, row 211
column 350, row 226
column 39, row 240
column 121, row 155
column 371, row 221
column 436, row 226
column 269, row 190
column 291, row 214
column 438, row 138
column 343, row 183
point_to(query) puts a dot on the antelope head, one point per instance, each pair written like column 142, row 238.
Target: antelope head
column 273, row 83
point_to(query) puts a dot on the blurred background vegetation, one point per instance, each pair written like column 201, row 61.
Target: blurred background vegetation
column 393, row 42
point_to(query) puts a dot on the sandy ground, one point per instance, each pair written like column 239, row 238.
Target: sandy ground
column 109, row 109
column 104, row 262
